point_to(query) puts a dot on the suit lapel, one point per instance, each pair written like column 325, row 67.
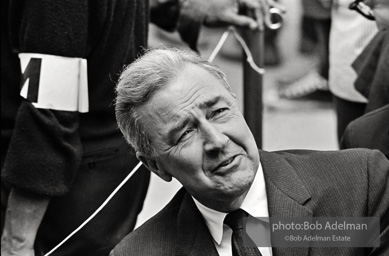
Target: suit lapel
column 193, row 237
column 286, row 194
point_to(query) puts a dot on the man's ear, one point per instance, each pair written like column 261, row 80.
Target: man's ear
column 153, row 166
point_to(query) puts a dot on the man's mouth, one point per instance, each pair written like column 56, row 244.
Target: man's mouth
column 225, row 163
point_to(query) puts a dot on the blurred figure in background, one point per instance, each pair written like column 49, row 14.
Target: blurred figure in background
column 318, row 12
column 350, row 33
column 372, row 129
column 372, row 65
column 62, row 154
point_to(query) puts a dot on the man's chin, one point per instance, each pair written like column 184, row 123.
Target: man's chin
column 236, row 190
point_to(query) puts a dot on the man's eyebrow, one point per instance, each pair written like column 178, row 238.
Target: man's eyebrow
column 214, row 101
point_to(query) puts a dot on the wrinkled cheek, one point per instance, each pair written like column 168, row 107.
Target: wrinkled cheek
column 248, row 136
column 189, row 161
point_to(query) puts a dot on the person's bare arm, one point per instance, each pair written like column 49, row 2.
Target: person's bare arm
column 22, row 219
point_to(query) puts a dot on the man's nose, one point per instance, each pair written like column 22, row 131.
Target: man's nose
column 214, row 140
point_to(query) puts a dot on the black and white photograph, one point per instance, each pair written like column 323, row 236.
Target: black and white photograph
column 194, row 127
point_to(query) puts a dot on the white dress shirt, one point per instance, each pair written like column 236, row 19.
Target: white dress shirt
column 255, row 204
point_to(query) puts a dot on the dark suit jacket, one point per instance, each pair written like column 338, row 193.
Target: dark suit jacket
column 369, row 131
column 298, row 183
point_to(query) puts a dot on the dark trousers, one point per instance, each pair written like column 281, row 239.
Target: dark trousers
column 323, row 34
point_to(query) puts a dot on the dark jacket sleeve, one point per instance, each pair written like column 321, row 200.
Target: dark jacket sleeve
column 184, row 16
column 369, row 131
column 45, row 149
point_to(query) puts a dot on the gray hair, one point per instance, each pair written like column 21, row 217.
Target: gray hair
column 141, row 79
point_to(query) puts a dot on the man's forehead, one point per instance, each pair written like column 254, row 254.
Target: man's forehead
column 195, row 77
column 193, row 84
column 193, row 88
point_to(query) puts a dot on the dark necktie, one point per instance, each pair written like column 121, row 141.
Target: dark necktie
column 241, row 243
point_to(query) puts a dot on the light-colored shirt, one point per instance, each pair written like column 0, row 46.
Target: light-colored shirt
column 255, row 204
column 350, row 33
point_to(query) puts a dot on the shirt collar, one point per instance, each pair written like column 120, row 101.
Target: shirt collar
column 255, row 204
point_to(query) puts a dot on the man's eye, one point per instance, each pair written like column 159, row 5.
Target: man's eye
column 218, row 112
column 184, row 135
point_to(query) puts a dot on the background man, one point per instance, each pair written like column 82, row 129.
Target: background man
column 372, row 130
column 179, row 114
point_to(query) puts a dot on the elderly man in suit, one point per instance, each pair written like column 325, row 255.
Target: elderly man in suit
column 179, row 114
